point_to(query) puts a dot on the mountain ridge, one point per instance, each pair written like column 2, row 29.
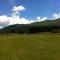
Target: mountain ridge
column 44, row 26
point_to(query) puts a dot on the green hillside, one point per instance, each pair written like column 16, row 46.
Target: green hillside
column 48, row 22
column 44, row 26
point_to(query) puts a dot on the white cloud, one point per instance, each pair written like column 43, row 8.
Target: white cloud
column 56, row 16
column 4, row 20
column 38, row 18
column 18, row 9
column 41, row 19
column 44, row 18
column 18, row 20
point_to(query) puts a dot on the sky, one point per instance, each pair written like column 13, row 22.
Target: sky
column 28, row 11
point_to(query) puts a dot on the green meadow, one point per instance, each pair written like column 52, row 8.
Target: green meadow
column 30, row 47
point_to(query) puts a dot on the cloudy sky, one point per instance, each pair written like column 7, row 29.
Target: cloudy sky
column 28, row 11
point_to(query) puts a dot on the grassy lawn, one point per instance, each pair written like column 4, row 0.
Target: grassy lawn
column 30, row 47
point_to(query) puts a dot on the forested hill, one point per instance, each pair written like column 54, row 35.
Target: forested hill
column 44, row 26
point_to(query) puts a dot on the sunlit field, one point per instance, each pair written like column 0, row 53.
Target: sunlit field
column 30, row 47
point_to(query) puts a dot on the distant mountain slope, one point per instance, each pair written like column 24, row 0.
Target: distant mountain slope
column 47, row 22
column 44, row 26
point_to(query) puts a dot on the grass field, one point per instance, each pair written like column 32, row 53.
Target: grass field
column 30, row 47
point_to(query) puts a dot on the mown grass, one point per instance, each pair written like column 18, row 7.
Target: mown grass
column 30, row 47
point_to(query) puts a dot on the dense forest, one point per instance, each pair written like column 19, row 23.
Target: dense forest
column 44, row 26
